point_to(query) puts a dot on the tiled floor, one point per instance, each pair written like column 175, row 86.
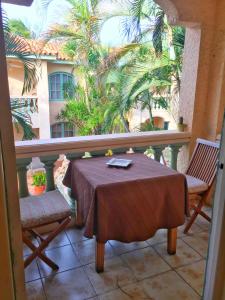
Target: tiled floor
column 132, row 271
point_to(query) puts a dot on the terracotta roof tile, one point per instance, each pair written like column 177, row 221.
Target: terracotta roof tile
column 40, row 47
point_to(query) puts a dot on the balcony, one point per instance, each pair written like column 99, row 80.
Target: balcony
column 30, row 108
column 132, row 271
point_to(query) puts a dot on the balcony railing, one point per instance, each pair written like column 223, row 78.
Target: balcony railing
column 30, row 104
column 49, row 150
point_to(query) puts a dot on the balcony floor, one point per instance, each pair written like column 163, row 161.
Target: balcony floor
column 132, row 271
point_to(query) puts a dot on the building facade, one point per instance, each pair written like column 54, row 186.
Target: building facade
column 46, row 100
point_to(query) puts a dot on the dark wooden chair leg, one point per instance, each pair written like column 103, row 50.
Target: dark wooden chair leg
column 204, row 215
column 191, row 221
column 42, row 256
column 36, row 235
column 37, row 251
column 100, row 253
column 172, row 241
column 197, row 211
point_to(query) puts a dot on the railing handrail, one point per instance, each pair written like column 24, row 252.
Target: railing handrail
column 25, row 149
column 23, row 97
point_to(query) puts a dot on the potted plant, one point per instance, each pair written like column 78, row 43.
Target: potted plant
column 39, row 182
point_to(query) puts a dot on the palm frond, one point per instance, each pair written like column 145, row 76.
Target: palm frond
column 136, row 11
column 152, row 73
column 22, row 119
column 157, row 37
column 63, row 32
column 113, row 58
column 19, row 48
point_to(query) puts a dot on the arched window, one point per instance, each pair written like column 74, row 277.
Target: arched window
column 61, row 86
column 63, row 129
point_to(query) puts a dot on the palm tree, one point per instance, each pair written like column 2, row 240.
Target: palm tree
column 17, row 27
column 21, row 119
column 149, row 23
column 147, row 82
column 92, row 62
column 18, row 47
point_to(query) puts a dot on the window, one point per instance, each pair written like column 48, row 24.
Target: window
column 59, row 130
column 61, row 86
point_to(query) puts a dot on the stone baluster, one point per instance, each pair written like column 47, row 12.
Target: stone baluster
column 119, row 151
column 130, row 151
column 157, row 150
column 21, row 165
column 49, row 162
column 139, row 149
column 97, row 153
column 175, row 149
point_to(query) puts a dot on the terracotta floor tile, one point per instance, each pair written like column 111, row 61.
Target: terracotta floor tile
column 184, row 255
column 159, row 237
column 203, row 223
column 64, row 257
column 117, row 294
column 161, row 234
column 85, row 251
column 59, row 241
column 120, row 248
column 32, row 272
column 167, row 286
column 34, row 290
column 133, row 271
column 145, row 262
column 116, row 274
column 194, row 275
column 195, row 228
column 75, row 235
column 199, row 242
column 69, row 285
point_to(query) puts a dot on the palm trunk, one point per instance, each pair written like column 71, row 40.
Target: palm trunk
column 125, row 123
column 150, row 110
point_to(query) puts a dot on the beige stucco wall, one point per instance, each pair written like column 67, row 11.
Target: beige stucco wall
column 59, row 67
column 138, row 116
column 56, row 106
column 47, row 111
column 202, row 102
column 16, row 78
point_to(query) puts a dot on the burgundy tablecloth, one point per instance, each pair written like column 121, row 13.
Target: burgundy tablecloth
column 127, row 204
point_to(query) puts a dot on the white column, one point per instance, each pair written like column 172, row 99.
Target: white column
column 43, row 102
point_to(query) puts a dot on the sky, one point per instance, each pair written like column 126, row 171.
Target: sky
column 38, row 18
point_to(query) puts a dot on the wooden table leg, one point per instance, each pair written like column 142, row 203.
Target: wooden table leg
column 99, row 260
column 172, row 240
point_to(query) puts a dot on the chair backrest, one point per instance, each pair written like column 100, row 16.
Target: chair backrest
column 203, row 163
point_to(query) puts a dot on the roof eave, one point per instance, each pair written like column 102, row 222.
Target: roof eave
column 50, row 58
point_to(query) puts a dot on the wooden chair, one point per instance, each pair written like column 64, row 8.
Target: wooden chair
column 37, row 211
column 200, row 175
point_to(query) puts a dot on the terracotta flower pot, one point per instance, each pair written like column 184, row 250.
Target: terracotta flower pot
column 38, row 190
